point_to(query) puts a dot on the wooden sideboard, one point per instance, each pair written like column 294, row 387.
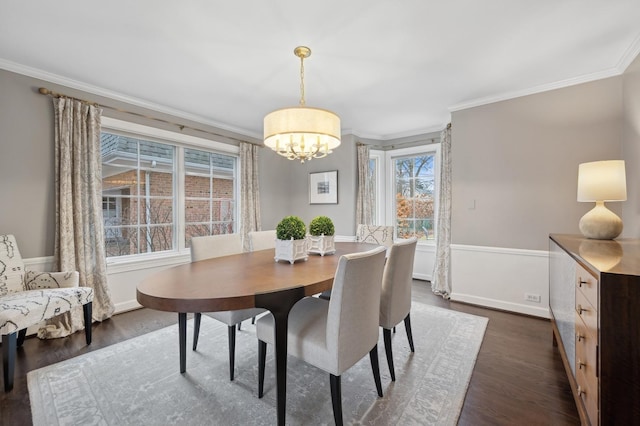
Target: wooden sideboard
column 594, row 298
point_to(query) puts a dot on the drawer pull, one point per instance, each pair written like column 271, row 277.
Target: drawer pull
column 581, row 364
column 581, row 281
column 581, row 392
column 580, row 337
column 581, row 310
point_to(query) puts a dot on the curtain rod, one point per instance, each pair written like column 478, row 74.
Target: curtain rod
column 47, row 92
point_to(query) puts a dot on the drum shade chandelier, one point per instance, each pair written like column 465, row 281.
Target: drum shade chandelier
column 302, row 132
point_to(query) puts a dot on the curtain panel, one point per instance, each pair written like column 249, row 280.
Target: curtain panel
column 441, row 281
column 364, row 198
column 249, row 192
column 79, row 233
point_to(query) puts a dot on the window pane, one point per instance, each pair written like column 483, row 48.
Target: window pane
column 138, row 195
column 210, row 191
column 414, row 183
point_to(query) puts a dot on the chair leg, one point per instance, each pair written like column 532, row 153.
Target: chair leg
column 87, row 309
column 197, row 317
column 21, row 336
column 336, row 398
column 262, row 357
column 232, row 350
column 8, row 359
column 394, row 330
column 407, row 326
column 386, row 333
column 240, row 326
column 375, row 366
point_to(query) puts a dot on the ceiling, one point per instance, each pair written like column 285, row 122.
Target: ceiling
column 389, row 69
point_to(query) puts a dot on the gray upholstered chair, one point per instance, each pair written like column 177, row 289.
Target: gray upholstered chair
column 208, row 247
column 262, row 240
column 395, row 300
column 374, row 234
column 28, row 298
column 333, row 335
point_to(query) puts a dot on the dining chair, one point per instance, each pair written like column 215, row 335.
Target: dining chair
column 374, row 234
column 208, row 247
column 333, row 335
column 28, row 298
column 262, row 240
column 395, row 299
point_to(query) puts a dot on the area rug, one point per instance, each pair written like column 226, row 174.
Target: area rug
column 137, row 382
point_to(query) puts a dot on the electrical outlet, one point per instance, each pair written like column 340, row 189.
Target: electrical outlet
column 530, row 297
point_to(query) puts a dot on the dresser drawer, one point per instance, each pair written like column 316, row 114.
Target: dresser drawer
column 586, row 350
column 587, row 284
column 587, row 313
column 588, row 392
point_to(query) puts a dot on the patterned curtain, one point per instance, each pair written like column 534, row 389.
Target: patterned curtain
column 79, row 235
column 441, row 281
column 364, row 200
column 249, row 192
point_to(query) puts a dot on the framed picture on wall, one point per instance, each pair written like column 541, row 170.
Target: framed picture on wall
column 323, row 187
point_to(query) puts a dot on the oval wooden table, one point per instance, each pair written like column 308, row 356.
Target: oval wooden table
column 240, row 281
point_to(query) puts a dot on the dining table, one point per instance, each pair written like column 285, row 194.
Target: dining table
column 239, row 281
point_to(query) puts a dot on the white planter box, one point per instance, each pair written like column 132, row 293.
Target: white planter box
column 291, row 250
column 324, row 244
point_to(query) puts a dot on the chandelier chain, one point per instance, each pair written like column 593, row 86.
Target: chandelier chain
column 302, row 81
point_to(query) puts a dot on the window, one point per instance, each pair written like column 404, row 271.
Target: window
column 405, row 182
column 159, row 190
column 414, row 184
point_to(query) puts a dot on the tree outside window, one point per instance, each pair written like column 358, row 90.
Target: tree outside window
column 414, row 185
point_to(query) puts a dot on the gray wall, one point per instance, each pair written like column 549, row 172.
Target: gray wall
column 631, row 149
column 293, row 178
column 26, row 165
column 518, row 160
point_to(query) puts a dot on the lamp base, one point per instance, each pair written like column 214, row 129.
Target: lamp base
column 600, row 223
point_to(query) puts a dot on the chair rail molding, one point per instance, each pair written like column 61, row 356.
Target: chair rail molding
column 500, row 278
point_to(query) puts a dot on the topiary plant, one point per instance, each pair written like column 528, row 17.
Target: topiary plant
column 291, row 227
column 321, row 225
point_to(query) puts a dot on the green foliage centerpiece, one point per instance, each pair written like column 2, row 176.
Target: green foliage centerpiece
column 291, row 243
column 321, row 236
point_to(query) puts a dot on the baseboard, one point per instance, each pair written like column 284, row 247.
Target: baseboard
column 501, row 305
column 129, row 305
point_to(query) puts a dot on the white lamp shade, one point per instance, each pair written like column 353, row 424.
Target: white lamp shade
column 602, row 181
column 312, row 125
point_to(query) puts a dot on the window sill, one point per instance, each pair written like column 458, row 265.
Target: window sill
column 140, row 262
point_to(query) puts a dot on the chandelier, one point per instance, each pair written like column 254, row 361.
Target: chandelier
column 302, row 132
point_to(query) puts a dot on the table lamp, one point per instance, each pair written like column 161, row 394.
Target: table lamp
column 601, row 181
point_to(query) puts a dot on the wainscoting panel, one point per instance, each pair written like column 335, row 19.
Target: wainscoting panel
column 501, row 278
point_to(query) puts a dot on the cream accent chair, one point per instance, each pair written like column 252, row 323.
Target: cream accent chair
column 395, row 300
column 333, row 335
column 262, row 240
column 208, row 247
column 374, row 234
column 28, row 298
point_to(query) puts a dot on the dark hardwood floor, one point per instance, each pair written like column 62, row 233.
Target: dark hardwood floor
column 518, row 378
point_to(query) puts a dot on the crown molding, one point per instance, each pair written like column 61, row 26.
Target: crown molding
column 99, row 91
column 611, row 72
column 398, row 136
column 629, row 55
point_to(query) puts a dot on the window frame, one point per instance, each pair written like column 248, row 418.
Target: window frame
column 180, row 142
